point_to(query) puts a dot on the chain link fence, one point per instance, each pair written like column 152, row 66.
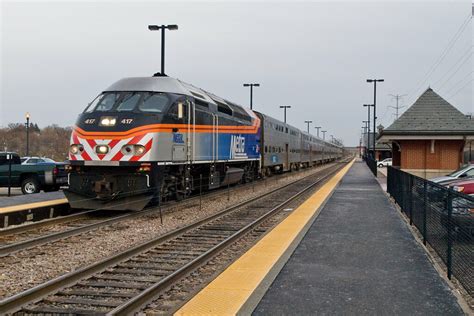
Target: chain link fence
column 444, row 217
column 372, row 164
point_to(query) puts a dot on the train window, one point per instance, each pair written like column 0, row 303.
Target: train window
column 128, row 102
column 201, row 103
column 154, row 103
column 104, row 102
column 223, row 108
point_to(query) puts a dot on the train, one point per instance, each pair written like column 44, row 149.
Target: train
column 149, row 139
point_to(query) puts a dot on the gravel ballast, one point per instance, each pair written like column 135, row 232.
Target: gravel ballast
column 25, row 269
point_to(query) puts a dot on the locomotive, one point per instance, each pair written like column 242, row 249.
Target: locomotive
column 156, row 138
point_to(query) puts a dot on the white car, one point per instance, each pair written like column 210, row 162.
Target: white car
column 384, row 163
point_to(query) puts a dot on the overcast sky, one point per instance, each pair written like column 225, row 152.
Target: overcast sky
column 314, row 56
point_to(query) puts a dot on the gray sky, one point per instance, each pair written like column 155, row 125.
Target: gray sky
column 315, row 56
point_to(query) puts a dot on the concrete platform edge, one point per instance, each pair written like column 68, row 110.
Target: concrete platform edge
column 249, row 306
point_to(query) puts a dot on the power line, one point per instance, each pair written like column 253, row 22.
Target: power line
column 464, row 86
column 456, row 71
column 459, row 82
column 469, row 50
column 443, row 54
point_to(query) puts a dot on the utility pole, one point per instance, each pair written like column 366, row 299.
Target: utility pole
column 308, row 122
column 251, row 85
column 368, row 126
column 317, row 128
column 397, row 97
column 284, row 107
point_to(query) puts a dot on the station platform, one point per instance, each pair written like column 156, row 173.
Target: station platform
column 30, row 207
column 343, row 251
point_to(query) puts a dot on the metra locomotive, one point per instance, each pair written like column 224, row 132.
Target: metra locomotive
column 158, row 137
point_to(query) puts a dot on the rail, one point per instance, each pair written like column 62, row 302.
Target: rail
column 443, row 216
column 227, row 226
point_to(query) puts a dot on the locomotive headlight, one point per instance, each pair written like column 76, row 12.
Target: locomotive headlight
column 139, row 150
column 136, row 150
column 75, row 149
column 102, row 149
column 108, row 121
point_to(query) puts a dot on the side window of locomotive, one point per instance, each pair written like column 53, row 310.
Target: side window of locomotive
column 128, row 102
column 154, row 103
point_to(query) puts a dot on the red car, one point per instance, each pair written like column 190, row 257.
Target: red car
column 464, row 186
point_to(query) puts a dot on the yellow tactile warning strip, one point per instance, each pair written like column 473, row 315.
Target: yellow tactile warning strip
column 226, row 294
column 29, row 206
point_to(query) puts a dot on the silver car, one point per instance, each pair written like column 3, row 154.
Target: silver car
column 464, row 172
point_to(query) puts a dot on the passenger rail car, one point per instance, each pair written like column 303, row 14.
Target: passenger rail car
column 158, row 137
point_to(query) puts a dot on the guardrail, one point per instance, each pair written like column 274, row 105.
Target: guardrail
column 444, row 217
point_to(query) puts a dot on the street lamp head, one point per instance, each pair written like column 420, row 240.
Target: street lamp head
column 256, row 85
column 317, row 127
column 308, row 121
column 172, row 27
column 368, row 105
column 154, row 27
column 27, row 115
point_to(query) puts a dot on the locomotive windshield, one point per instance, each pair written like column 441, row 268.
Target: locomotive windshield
column 150, row 102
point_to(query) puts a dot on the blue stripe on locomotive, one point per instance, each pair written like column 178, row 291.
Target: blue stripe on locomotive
column 231, row 146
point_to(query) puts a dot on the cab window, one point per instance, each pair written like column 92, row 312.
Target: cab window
column 128, row 102
column 154, row 103
column 104, row 102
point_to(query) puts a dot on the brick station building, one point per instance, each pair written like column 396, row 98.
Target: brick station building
column 430, row 138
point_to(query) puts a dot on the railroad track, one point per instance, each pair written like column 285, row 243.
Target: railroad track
column 23, row 237
column 124, row 283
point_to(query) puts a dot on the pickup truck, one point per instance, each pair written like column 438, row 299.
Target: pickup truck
column 31, row 178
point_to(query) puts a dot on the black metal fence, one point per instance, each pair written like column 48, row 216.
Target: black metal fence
column 444, row 217
column 372, row 164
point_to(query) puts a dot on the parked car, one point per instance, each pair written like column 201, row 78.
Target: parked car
column 31, row 177
column 466, row 185
column 35, row 160
column 462, row 219
column 384, row 163
column 464, row 172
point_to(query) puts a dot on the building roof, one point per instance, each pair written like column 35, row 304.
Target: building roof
column 431, row 115
column 378, row 145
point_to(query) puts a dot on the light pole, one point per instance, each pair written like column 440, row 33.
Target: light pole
column 308, row 122
column 324, row 134
column 170, row 27
column 317, row 128
column 284, row 107
column 375, row 104
column 251, row 85
column 27, row 133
